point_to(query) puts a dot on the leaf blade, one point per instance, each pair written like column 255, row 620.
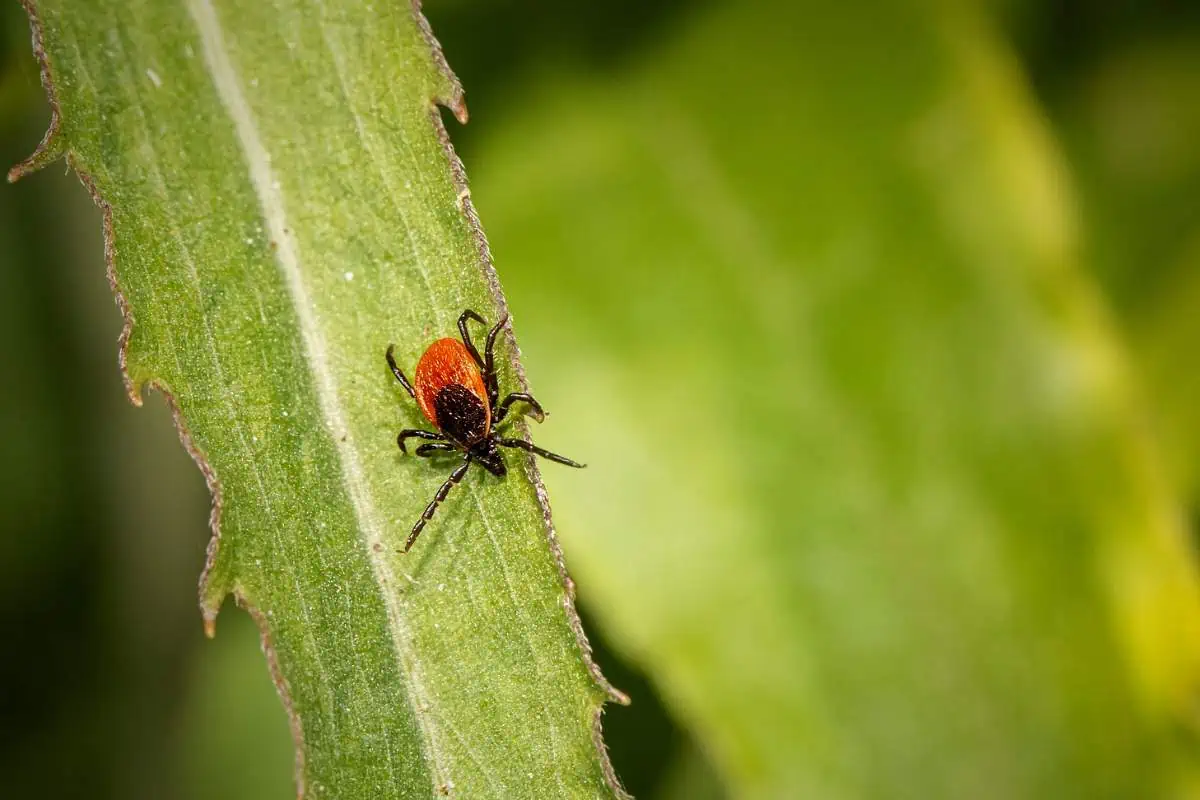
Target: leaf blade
column 259, row 279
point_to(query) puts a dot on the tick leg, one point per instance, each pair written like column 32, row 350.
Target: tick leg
column 454, row 478
column 489, row 362
column 535, row 408
column 533, row 448
column 409, row 433
column 435, row 447
column 399, row 375
column 466, row 335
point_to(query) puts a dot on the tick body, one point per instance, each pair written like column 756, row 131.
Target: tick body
column 451, row 392
column 457, row 392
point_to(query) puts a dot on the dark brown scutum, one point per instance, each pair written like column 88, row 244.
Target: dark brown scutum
column 461, row 415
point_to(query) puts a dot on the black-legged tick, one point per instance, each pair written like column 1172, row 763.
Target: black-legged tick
column 457, row 391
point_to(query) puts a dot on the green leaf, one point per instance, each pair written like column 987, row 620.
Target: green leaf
column 228, row 719
column 871, row 499
column 1167, row 335
column 1131, row 123
column 280, row 203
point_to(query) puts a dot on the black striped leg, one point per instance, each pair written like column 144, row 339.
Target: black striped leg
column 489, row 362
column 533, row 448
column 454, row 478
column 466, row 335
column 411, row 433
column 535, row 408
column 427, row 450
column 399, row 375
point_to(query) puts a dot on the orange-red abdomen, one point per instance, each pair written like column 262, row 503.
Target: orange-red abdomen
column 447, row 363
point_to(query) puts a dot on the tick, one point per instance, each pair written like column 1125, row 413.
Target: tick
column 457, row 391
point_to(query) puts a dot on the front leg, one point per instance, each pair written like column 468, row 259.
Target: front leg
column 410, row 433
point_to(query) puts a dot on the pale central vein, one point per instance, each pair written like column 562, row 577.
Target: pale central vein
column 270, row 198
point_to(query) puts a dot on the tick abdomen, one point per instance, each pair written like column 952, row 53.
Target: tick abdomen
column 446, row 363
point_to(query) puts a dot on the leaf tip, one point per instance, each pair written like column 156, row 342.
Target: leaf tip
column 134, row 392
column 458, row 106
column 212, row 593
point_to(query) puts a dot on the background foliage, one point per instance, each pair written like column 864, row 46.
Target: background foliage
column 881, row 348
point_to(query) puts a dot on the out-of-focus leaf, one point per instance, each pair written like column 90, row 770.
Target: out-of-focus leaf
column 1132, row 124
column 232, row 719
column 690, row 777
column 280, row 206
column 1167, row 333
column 869, row 498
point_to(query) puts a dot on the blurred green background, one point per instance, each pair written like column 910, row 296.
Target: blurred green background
column 878, row 327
